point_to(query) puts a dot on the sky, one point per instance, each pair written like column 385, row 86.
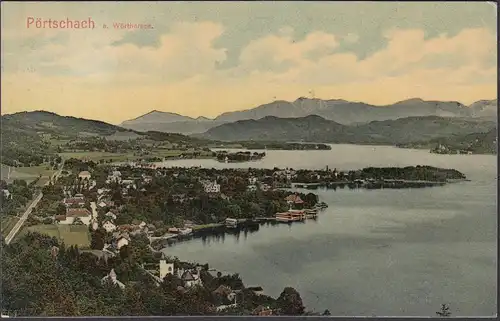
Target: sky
column 206, row 58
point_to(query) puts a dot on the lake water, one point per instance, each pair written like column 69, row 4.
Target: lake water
column 373, row 252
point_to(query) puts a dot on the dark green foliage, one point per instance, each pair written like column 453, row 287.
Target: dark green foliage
column 35, row 282
column 475, row 143
column 290, row 302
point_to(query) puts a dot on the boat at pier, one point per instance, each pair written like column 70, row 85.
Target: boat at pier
column 291, row 216
column 321, row 205
column 231, row 222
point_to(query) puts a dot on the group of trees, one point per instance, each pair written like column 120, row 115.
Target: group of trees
column 20, row 195
column 415, row 173
column 40, row 281
column 285, row 146
column 173, row 199
column 238, row 157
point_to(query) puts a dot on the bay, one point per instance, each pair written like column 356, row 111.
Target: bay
column 373, row 252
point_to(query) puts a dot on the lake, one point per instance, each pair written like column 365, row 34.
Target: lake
column 373, row 252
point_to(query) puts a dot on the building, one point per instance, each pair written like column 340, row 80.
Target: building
column 110, row 215
column 74, row 215
column 7, row 194
column 74, row 201
column 121, row 242
column 262, row 311
column 111, row 277
column 84, row 175
column 211, row 187
column 252, row 180
column 190, row 278
column 103, row 204
column 109, row 226
column 166, row 268
column 294, row 198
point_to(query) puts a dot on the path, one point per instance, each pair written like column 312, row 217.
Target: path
column 93, row 206
column 30, row 208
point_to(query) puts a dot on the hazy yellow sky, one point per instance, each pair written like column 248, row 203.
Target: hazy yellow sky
column 209, row 58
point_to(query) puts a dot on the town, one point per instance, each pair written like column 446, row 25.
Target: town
column 136, row 209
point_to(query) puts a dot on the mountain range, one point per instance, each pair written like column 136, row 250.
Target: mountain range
column 315, row 128
column 339, row 111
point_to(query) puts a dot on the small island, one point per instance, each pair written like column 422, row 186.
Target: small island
column 224, row 156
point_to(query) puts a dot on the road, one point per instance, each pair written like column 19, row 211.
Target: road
column 30, row 208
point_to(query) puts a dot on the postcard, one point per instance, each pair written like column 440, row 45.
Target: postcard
column 276, row 158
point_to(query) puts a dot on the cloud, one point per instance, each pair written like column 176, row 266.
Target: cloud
column 351, row 38
column 97, row 75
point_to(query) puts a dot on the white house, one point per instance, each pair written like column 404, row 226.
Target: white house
column 121, row 242
column 112, row 277
column 252, row 180
column 84, row 175
column 115, row 177
column 103, row 191
column 7, row 194
column 190, row 278
column 109, row 226
column 212, row 187
column 166, row 268
column 111, row 215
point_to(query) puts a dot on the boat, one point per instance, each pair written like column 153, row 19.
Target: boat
column 231, row 222
column 311, row 213
column 321, row 205
column 185, row 231
column 291, row 216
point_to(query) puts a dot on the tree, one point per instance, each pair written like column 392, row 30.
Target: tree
column 445, row 311
column 98, row 240
column 290, row 302
column 326, row 312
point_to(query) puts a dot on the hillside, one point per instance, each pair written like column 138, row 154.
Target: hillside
column 38, row 122
column 30, row 137
column 318, row 129
column 475, row 143
column 182, row 127
column 484, row 108
column 311, row 128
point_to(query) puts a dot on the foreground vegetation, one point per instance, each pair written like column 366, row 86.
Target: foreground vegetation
column 41, row 277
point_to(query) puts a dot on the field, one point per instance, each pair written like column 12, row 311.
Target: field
column 119, row 157
column 27, row 173
column 69, row 234
column 8, row 223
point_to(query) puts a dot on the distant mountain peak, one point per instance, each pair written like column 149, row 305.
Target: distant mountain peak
column 411, row 101
column 156, row 116
column 203, row 118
